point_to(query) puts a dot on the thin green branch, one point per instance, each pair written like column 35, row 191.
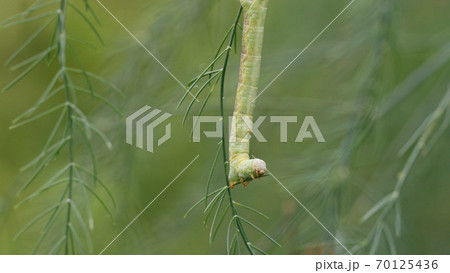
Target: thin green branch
column 224, row 150
column 386, row 204
column 29, row 40
column 211, row 172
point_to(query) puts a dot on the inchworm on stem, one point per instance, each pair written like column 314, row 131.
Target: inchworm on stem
column 242, row 168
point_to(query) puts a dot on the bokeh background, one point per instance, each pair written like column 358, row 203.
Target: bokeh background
column 370, row 81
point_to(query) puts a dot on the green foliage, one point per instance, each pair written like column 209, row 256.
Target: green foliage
column 60, row 142
column 375, row 82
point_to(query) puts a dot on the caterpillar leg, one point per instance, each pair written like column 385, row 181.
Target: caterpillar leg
column 243, row 182
column 232, row 185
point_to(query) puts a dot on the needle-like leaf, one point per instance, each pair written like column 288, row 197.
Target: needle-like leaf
column 29, row 40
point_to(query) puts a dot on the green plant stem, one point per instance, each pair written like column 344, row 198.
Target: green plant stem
column 70, row 241
column 62, row 63
column 242, row 168
column 224, row 151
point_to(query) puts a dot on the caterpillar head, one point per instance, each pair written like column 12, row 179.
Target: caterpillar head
column 246, row 171
column 259, row 167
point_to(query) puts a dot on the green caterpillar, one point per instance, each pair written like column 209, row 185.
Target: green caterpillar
column 242, row 168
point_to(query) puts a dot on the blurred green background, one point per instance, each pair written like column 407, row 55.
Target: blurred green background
column 370, row 81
